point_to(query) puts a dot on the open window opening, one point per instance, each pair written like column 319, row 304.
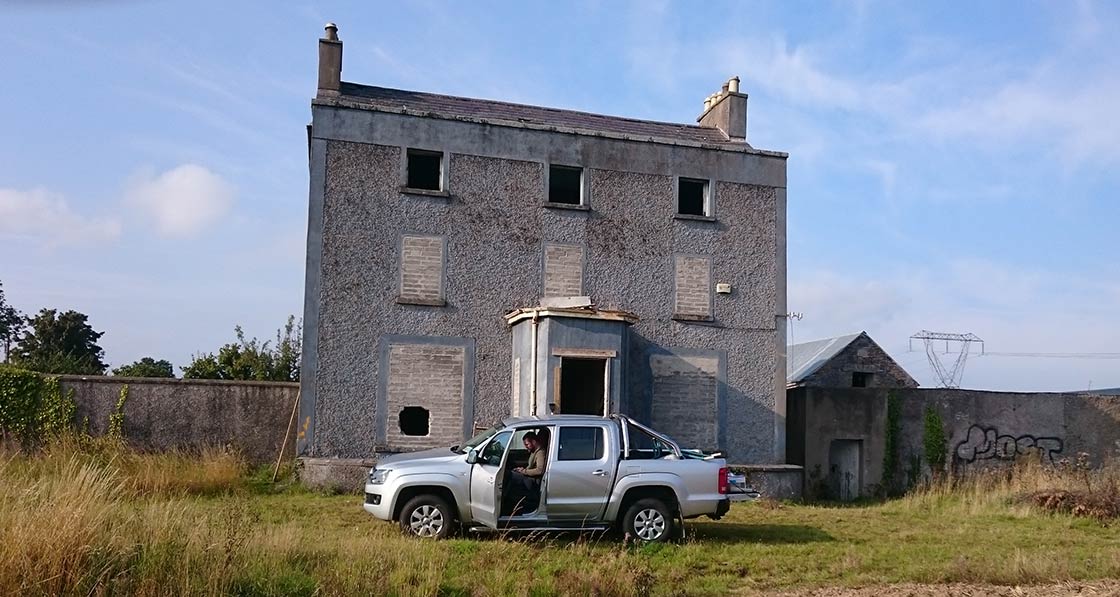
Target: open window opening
column 565, row 185
column 413, row 420
column 861, row 379
column 583, row 386
column 692, row 197
column 425, row 170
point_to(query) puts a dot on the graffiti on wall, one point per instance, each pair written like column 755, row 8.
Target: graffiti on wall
column 986, row 443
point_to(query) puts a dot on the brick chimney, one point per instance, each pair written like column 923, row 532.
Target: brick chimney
column 330, row 62
column 726, row 110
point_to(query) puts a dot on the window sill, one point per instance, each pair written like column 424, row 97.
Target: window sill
column 421, row 302
column 686, row 318
column 692, row 218
column 425, row 193
column 579, row 207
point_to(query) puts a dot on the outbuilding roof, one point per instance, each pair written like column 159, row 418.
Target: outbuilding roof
column 803, row 360
column 511, row 114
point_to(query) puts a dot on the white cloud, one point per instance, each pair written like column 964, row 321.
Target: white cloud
column 182, row 201
column 48, row 218
column 1077, row 121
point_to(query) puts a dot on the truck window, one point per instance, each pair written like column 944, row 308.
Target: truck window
column 581, row 443
column 644, row 446
column 494, row 451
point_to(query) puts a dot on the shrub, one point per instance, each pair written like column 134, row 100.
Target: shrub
column 33, row 407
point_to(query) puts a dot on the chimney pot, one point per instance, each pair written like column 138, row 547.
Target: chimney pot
column 332, row 31
column 726, row 110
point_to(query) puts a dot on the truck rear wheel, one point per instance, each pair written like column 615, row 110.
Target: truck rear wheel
column 427, row 516
column 648, row 520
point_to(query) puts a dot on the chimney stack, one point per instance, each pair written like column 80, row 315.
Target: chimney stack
column 726, row 110
column 330, row 62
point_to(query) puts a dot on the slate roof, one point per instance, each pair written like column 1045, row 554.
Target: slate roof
column 803, row 360
column 451, row 107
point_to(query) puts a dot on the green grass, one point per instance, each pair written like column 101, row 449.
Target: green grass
column 106, row 521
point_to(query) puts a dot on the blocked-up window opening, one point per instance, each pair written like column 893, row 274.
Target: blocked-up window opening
column 861, row 380
column 565, row 185
column 422, row 264
column 580, row 443
column 425, row 170
column 413, row 420
column 693, row 287
column 692, row 197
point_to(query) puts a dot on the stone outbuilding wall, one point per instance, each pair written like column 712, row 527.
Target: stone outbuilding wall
column 839, row 434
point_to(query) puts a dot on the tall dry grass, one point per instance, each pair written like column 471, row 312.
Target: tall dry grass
column 1020, row 487
column 95, row 518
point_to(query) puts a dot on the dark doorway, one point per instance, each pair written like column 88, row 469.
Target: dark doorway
column 582, row 386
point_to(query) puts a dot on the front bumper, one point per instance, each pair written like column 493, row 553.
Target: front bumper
column 377, row 501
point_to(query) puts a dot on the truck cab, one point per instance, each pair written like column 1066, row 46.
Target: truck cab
column 599, row 473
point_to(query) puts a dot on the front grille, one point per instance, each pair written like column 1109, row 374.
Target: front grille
column 373, row 499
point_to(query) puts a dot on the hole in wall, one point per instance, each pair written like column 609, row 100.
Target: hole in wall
column 413, row 420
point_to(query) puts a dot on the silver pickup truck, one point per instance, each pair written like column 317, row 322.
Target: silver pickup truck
column 600, row 473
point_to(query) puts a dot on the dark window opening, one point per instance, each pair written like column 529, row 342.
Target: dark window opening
column 413, row 420
column 565, row 185
column 861, row 380
column 425, row 170
column 692, row 196
column 580, row 443
column 582, row 386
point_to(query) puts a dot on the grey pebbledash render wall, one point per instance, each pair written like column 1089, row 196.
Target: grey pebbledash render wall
column 495, row 222
column 498, row 235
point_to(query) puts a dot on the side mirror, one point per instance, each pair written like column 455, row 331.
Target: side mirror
column 472, row 456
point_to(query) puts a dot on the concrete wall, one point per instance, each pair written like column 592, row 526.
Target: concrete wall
column 497, row 228
column 983, row 429
column 164, row 414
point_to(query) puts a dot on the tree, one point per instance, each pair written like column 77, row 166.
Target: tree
column 12, row 324
column 252, row 359
column 60, row 343
column 146, row 367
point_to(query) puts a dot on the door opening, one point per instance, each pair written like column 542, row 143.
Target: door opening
column 583, row 386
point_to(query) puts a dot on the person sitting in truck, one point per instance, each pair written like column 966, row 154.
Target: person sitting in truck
column 526, row 480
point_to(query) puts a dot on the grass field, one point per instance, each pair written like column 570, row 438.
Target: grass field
column 92, row 518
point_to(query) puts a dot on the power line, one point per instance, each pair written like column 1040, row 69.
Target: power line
column 1056, row 355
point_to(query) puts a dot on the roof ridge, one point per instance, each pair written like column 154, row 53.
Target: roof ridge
column 534, row 106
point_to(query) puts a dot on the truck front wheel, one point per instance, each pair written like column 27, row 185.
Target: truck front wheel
column 648, row 520
column 427, row 516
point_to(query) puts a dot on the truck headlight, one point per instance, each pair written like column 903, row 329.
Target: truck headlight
column 377, row 476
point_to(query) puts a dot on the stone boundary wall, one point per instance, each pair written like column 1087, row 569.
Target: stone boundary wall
column 166, row 414
column 983, row 429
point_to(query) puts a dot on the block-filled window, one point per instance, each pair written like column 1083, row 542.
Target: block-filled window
column 421, row 262
column 563, row 270
column 565, row 185
column 692, row 285
column 425, row 170
column 693, row 197
column 424, row 394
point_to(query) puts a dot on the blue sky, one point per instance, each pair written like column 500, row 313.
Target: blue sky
column 953, row 166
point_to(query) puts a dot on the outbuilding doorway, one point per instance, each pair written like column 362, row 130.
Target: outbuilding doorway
column 583, row 386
